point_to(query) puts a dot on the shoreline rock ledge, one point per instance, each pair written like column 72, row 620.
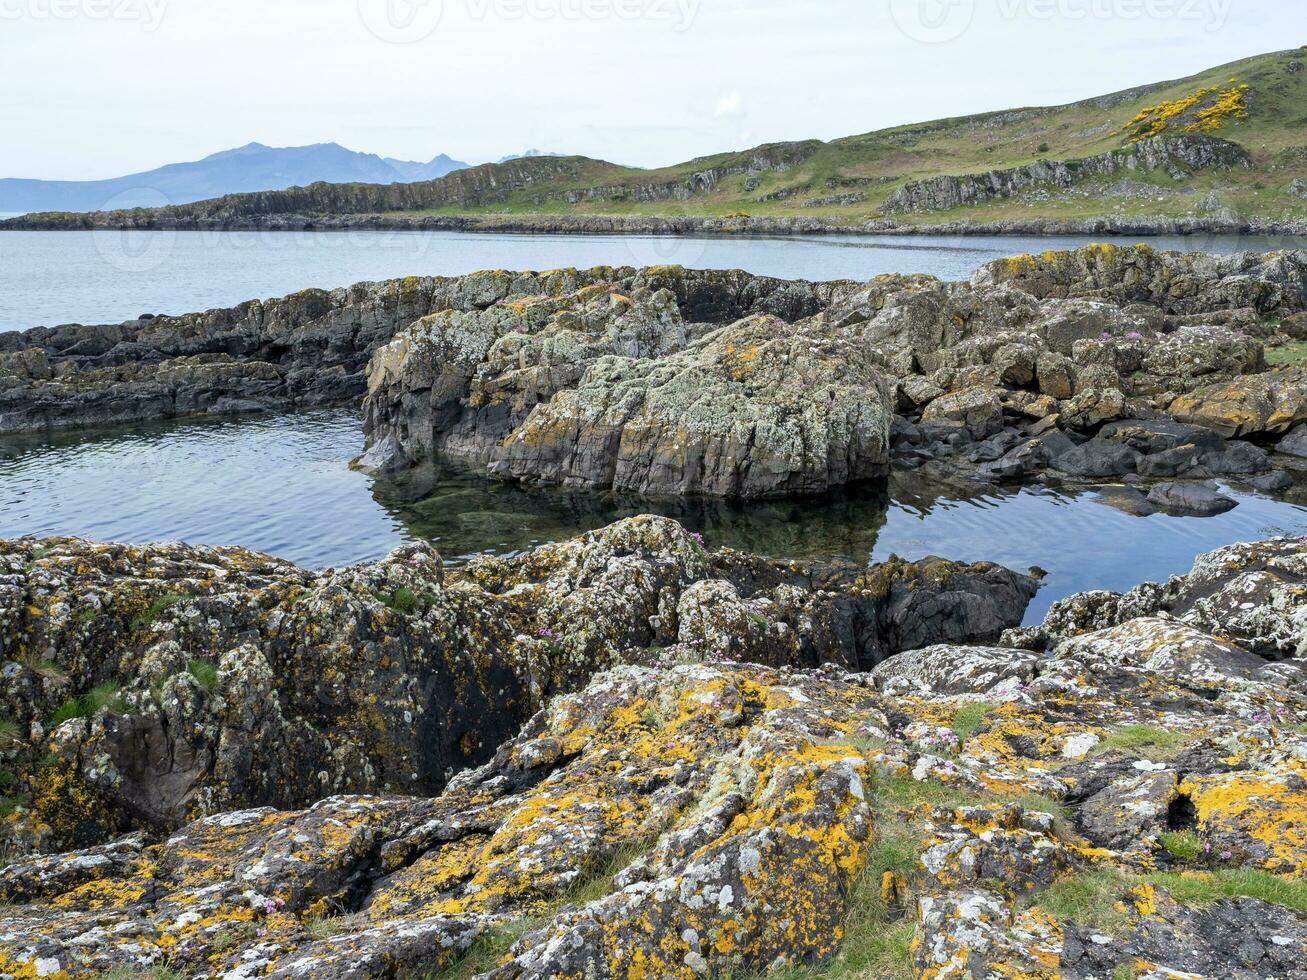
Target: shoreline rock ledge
column 1096, row 364
column 610, row 387
column 1119, row 791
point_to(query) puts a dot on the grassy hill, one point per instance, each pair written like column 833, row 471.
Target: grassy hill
column 1089, row 159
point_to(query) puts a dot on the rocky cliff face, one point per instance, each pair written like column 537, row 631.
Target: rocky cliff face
column 769, row 158
column 1117, row 791
column 1177, row 156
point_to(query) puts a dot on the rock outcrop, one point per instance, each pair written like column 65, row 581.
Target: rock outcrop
column 1177, row 156
column 145, row 686
column 1128, row 802
column 610, row 387
column 1005, row 377
column 1093, row 364
column 309, row 348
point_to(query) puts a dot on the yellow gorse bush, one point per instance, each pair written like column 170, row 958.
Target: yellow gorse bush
column 1205, row 111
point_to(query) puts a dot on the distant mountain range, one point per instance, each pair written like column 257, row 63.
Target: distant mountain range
column 253, row 167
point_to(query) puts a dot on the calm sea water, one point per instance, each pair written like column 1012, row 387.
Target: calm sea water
column 48, row 278
column 281, row 484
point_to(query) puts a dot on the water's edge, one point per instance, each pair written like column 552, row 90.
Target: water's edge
column 281, row 484
column 1115, row 226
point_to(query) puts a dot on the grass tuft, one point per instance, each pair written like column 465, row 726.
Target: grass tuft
column 1203, row 888
column 1288, row 354
column 484, row 954
column 1088, row 898
column 205, row 672
column 10, row 732
column 324, row 927
column 402, row 600
column 969, row 719
column 86, row 705
column 1183, row 845
column 1157, row 743
column 157, row 608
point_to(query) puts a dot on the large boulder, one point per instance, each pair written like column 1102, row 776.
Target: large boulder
column 751, row 411
column 603, row 389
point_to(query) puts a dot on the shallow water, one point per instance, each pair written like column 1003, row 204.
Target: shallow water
column 281, row 484
column 49, row 278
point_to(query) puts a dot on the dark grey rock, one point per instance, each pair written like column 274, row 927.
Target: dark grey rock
column 1098, row 458
column 1191, row 498
column 1151, row 436
column 1169, row 462
column 1275, row 482
column 1128, row 500
column 1238, row 459
column 1022, row 461
column 1295, row 443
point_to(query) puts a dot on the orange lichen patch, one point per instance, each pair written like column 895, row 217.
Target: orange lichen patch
column 1041, row 938
column 105, row 894
column 28, row 966
column 1263, row 814
column 1142, row 900
column 438, row 872
column 1012, row 736
column 76, row 815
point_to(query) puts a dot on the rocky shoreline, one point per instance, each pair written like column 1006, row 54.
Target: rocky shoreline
column 671, row 224
column 635, row 754
column 631, row 754
column 1103, row 364
column 1099, row 364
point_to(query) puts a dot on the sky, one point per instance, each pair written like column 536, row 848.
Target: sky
column 101, row 88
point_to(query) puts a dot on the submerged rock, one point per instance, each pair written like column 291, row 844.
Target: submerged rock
column 1191, row 498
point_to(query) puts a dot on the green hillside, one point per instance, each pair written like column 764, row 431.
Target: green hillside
column 1259, row 105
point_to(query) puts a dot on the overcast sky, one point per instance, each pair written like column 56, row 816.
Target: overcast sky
column 99, row 88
